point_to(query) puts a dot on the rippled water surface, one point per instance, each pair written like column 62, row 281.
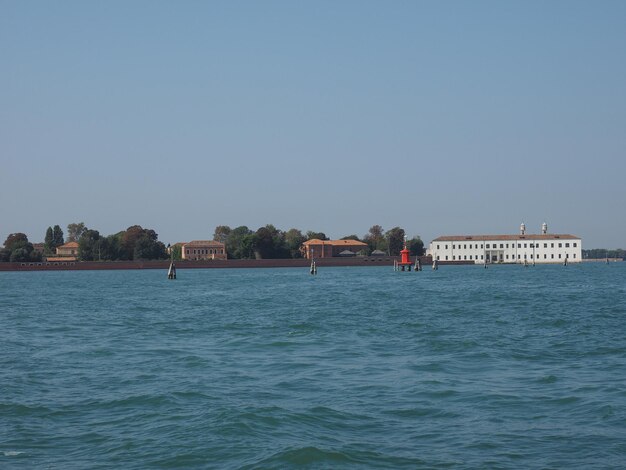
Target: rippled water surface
column 508, row 367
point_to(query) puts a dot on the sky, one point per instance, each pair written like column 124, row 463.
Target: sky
column 443, row 118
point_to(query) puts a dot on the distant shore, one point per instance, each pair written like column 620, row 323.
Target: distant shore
column 426, row 261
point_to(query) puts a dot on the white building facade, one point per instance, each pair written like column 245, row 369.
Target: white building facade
column 523, row 248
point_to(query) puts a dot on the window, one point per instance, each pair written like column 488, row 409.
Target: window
column 507, row 245
column 525, row 256
column 453, row 247
column 574, row 255
column 560, row 245
column 454, row 257
column 559, row 255
column 532, row 245
column 437, row 246
column 446, row 257
column 566, row 256
column 545, row 245
column 481, row 256
column 545, row 256
column 470, row 256
column 552, row 245
column 482, row 246
column 575, row 245
column 465, row 257
column 519, row 245
column 437, row 257
column 446, row 246
column 487, row 245
column 552, row 256
column 507, row 256
column 567, row 245
column 525, row 245
column 531, row 256
column 519, row 256
column 501, row 245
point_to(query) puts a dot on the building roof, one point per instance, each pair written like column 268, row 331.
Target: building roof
column 317, row 241
column 548, row 236
column 348, row 243
column 204, row 243
column 347, row 253
column 69, row 245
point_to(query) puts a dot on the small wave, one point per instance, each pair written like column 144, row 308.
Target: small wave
column 548, row 379
column 12, row 453
column 307, row 456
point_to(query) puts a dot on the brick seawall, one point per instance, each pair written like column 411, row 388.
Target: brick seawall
column 231, row 263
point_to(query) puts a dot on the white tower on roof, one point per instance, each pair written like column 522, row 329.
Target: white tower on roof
column 522, row 229
column 544, row 228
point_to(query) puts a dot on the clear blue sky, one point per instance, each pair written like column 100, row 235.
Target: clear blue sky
column 440, row 117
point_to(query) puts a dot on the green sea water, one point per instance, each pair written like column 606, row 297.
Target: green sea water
column 463, row 367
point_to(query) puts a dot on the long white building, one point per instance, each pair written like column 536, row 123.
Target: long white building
column 523, row 248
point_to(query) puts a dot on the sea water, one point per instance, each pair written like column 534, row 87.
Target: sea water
column 464, row 367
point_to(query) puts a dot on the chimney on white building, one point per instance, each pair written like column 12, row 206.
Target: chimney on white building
column 522, row 229
column 544, row 228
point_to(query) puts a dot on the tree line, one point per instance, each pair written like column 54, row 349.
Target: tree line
column 269, row 242
column 134, row 243
column 138, row 243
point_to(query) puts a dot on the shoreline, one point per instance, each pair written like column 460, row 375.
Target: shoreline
column 426, row 261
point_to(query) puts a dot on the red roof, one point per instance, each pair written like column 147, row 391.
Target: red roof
column 317, row 241
column 69, row 245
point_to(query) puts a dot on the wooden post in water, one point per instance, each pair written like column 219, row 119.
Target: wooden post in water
column 171, row 272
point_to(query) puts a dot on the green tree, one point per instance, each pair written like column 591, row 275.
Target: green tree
column 375, row 238
column 293, row 241
column 89, row 247
column 18, row 248
column 310, row 235
column 395, row 240
column 222, row 233
column 57, row 236
column 240, row 243
column 75, row 231
column 15, row 240
column 49, row 241
column 416, row 246
column 351, row 237
column 148, row 248
column 177, row 252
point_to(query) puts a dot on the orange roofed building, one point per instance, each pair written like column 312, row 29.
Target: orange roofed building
column 316, row 248
column 67, row 252
column 203, row 250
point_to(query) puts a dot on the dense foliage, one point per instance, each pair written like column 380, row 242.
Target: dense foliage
column 18, row 248
column 134, row 243
column 138, row 243
column 270, row 242
column 53, row 239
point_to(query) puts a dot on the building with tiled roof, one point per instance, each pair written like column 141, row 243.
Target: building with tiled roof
column 316, row 248
column 68, row 251
column 523, row 248
column 203, row 250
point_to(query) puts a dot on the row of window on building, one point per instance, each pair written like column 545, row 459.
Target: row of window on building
column 512, row 257
column 209, row 251
column 502, row 245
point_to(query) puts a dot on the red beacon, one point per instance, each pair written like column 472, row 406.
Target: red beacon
column 405, row 260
